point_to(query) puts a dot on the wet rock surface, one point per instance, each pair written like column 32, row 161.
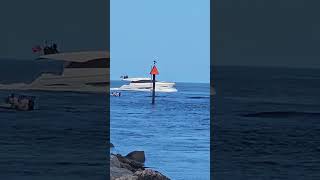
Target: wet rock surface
column 131, row 167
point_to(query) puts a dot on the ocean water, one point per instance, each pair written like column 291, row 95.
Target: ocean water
column 266, row 123
column 65, row 137
column 174, row 133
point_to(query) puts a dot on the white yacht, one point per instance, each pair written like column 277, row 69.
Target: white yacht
column 82, row 71
column 145, row 84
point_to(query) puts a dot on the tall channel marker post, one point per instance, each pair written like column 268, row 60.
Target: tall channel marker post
column 154, row 71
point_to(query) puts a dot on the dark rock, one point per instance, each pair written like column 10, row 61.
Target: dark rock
column 137, row 156
column 129, row 168
column 130, row 164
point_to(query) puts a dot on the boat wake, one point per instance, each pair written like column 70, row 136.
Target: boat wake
column 167, row 90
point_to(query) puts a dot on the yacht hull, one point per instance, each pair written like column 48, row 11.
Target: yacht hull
column 147, row 87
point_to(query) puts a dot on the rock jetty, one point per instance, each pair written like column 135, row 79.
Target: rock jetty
column 131, row 167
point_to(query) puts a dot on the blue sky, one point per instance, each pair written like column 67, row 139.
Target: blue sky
column 177, row 32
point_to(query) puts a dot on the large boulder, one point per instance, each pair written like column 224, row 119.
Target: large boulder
column 131, row 167
column 137, row 156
